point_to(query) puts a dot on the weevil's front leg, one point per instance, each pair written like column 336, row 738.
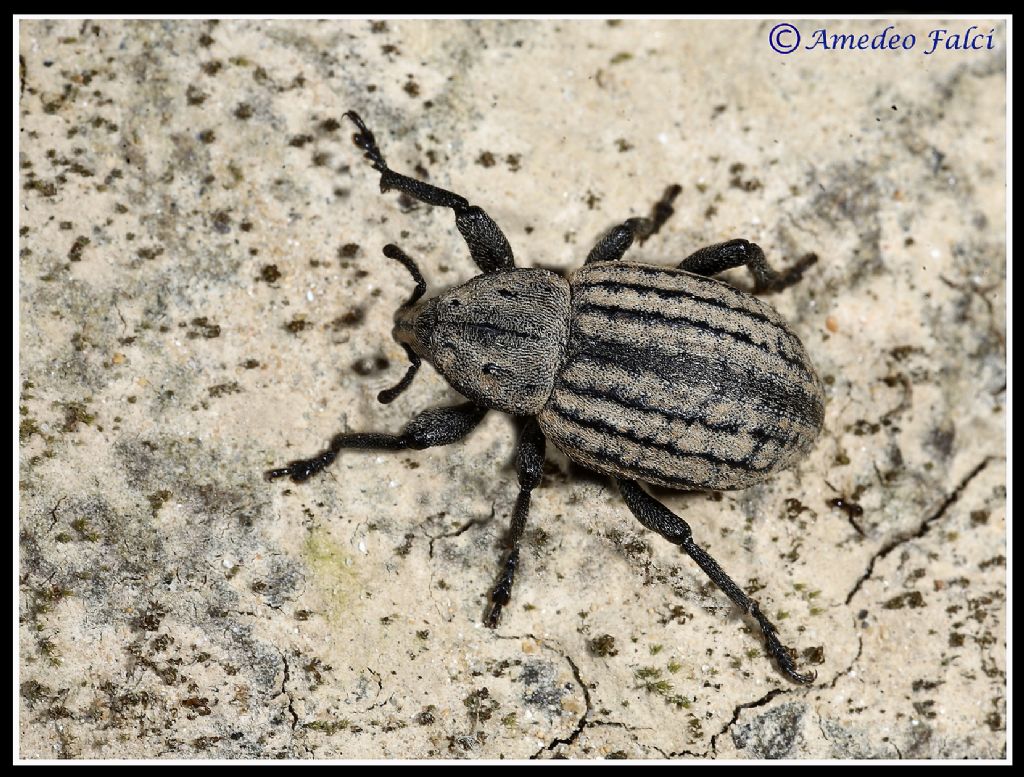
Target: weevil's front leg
column 656, row 517
column 736, row 253
column 530, row 463
column 487, row 244
column 439, row 426
column 614, row 244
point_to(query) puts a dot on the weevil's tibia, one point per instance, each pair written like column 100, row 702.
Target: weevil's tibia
column 530, row 463
column 487, row 243
column 614, row 244
column 655, row 516
column 439, row 426
column 720, row 257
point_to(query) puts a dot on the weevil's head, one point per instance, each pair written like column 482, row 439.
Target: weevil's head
column 498, row 339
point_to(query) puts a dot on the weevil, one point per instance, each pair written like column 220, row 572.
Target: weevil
column 647, row 374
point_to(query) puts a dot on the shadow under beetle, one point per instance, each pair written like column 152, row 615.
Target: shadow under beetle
column 644, row 373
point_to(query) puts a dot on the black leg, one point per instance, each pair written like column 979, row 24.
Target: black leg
column 736, row 253
column 440, row 426
column 487, row 244
column 530, row 463
column 656, row 517
column 614, row 244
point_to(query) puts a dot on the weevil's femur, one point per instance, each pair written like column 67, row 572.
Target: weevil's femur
column 394, row 252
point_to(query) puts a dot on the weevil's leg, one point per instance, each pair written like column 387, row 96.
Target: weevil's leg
column 736, row 253
column 439, row 426
column 614, row 244
column 530, row 463
column 656, row 517
column 660, row 213
column 487, row 244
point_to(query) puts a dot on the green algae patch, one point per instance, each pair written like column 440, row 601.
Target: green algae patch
column 334, row 578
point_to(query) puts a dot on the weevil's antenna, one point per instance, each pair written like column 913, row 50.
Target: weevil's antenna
column 387, row 396
column 392, row 251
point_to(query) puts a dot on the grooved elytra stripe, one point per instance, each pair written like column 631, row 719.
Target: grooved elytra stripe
column 675, row 295
column 721, row 391
column 715, row 333
column 685, row 308
column 615, row 456
column 725, row 408
column 668, row 279
column 692, row 424
column 689, row 353
column 695, row 416
column 649, row 429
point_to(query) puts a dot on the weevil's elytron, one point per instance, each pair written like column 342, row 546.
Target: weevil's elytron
column 647, row 374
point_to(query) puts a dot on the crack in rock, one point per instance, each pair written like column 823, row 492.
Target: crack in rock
column 583, row 722
column 380, row 690
column 284, row 690
column 921, row 530
column 459, row 531
column 736, row 715
column 853, row 663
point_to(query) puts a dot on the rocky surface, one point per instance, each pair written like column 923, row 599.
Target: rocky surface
column 203, row 296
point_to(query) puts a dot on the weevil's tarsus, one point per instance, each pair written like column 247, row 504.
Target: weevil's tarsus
column 389, row 179
column 487, row 244
column 530, row 463
column 656, row 517
column 720, row 257
column 365, row 140
column 783, row 656
column 613, row 244
column 438, row 426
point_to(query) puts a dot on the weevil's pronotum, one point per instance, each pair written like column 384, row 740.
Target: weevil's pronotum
column 644, row 373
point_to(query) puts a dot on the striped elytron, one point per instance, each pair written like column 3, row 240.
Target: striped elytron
column 679, row 380
column 647, row 374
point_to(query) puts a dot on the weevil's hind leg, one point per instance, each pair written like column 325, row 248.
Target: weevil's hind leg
column 656, row 517
column 530, row 463
column 614, row 244
column 487, row 244
column 735, row 253
column 439, row 426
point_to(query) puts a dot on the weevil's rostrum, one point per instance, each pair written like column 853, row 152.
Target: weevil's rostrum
column 648, row 374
